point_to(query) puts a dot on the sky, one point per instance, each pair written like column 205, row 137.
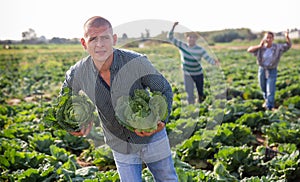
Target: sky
column 65, row 18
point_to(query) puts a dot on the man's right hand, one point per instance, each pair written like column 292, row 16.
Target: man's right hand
column 85, row 130
column 175, row 24
column 262, row 42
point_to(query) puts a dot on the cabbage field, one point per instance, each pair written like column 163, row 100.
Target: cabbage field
column 227, row 137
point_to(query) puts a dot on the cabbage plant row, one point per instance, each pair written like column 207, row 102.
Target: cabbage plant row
column 227, row 137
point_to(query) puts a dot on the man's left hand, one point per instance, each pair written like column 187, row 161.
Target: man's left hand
column 160, row 126
column 85, row 130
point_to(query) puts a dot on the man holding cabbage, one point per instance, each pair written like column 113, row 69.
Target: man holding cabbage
column 108, row 74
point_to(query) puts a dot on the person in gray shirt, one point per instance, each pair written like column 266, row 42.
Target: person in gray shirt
column 108, row 73
column 268, row 55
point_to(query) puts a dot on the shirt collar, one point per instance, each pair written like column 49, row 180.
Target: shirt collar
column 114, row 66
column 92, row 65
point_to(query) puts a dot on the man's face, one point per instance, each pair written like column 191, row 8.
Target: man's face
column 99, row 42
column 269, row 39
column 192, row 39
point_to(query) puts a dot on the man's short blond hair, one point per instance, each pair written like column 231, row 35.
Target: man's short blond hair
column 96, row 21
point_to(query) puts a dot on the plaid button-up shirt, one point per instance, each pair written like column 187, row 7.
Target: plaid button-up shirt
column 276, row 49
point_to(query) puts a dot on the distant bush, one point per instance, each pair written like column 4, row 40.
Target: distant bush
column 296, row 41
column 232, row 34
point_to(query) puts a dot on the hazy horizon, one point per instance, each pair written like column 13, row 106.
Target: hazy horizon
column 64, row 19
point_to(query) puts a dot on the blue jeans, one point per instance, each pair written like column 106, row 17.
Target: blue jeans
column 156, row 155
column 267, row 81
column 189, row 82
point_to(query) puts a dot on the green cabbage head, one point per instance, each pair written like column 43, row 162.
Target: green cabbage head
column 71, row 112
column 141, row 111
